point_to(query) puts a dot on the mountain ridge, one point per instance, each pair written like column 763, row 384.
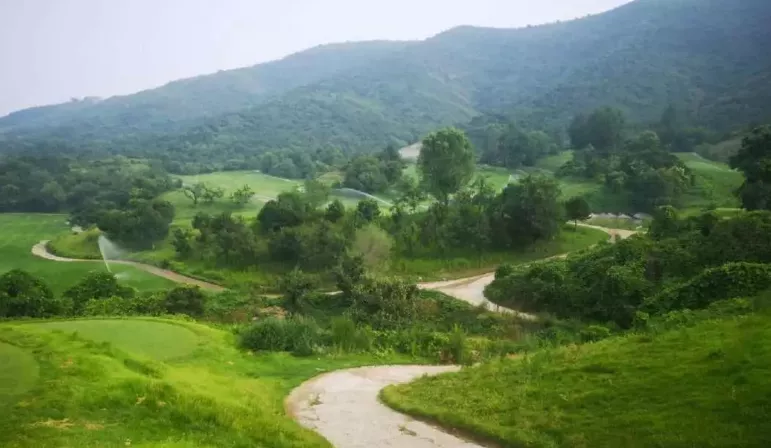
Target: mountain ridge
column 706, row 57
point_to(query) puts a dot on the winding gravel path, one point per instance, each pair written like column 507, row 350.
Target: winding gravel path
column 41, row 250
column 472, row 289
column 343, row 407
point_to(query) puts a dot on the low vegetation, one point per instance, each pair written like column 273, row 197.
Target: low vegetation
column 698, row 384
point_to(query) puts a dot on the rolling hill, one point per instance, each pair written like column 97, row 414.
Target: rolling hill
column 706, row 57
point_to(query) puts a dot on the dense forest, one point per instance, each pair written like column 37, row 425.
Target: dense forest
column 639, row 58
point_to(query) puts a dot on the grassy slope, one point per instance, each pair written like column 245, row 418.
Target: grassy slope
column 704, row 386
column 94, row 394
column 19, row 232
column 715, row 182
column 18, row 374
column 468, row 264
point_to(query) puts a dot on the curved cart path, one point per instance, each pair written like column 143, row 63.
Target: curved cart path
column 41, row 250
column 343, row 406
column 472, row 289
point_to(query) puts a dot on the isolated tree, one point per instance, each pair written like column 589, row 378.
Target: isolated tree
column 446, row 163
column 211, row 194
column 754, row 160
column 242, row 196
column 367, row 210
column 392, row 164
column 335, row 211
column 289, row 209
column 577, row 209
column 194, row 192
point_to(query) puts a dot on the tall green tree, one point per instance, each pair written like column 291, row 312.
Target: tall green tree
column 754, row 160
column 577, row 209
column 446, row 163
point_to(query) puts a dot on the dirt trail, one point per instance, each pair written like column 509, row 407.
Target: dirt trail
column 472, row 289
column 343, row 406
column 41, row 250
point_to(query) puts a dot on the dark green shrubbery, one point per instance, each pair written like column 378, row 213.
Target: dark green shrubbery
column 296, row 334
column 652, row 274
column 24, row 295
column 96, row 285
column 724, row 282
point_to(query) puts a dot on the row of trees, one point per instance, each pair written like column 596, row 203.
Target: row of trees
column 304, row 229
column 96, row 294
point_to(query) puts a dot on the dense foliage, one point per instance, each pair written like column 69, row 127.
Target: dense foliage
column 707, row 58
column 754, row 160
column 612, row 283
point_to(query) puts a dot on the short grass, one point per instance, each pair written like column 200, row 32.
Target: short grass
column 19, row 232
column 715, row 183
column 93, row 394
column 18, row 372
column 705, row 385
column 153, row 339
column 454, row 266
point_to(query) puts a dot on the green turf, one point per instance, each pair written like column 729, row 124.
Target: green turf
column 468, row 264
column 147, row 338
column 18, row 372
column 92, row 396
column 702, row 386
column 19, row 232
column 715, row 182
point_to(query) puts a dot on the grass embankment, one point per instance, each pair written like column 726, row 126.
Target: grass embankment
column 715, row 183
column 19, row 232
column 465, row 265
column 702, row 385
column 95, row 391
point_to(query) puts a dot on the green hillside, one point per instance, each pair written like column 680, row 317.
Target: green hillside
column 704, row 385
column 707, row 57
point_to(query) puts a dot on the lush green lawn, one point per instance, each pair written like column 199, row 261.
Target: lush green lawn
column 148, row 338
column 715, row 182
column 90, row 395
column 700, row 386
column 19, row 232
column 18, row 372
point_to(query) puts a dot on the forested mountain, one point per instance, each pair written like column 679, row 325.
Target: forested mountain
column 708, row 58
column 180, row 102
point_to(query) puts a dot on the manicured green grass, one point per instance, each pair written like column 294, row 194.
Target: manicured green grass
column 91, row 395
column 469, row 264
column 700, row 386
column 148, row 338
column 19, row 232
column 18, row 372
column 715, row 182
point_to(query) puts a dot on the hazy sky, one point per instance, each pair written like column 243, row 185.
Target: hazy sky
column 52, row 50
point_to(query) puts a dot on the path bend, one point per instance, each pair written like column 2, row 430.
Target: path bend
column 343, row 406
column 41, row 250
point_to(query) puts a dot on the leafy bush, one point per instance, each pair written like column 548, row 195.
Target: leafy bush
column 24, row 295
column 96, row 285
column 297, row 334
column 142, row 305
column 724, row 282
column 185, row 300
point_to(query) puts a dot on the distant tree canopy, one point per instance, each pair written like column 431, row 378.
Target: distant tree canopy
column 446, row 163
column 359, row 97
column 639, row 166
column 374, row 173
column 754, row 160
